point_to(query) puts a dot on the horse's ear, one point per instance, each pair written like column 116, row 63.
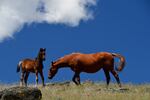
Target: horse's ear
column 41, row 49
column 44, row 49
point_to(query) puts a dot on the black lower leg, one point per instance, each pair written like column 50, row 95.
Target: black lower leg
column 26, row 78
column 78, row 79
column 74, row 79
column 107, row 76
column 42, row 77
column 37, row 78
column 22, row 79
column 116, row 77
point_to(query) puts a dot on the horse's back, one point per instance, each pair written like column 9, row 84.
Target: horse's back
column 28, row 61
column 92, row 56
column 75, row 59
column 89, row 63
column 89, row 60
column 84, row 62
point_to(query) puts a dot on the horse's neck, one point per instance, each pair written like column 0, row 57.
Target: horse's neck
column 38, row 60
column 61, row 65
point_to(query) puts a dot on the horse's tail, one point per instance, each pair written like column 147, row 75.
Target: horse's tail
column 122, row 61
column 19, row 65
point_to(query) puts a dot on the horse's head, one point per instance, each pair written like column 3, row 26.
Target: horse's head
column 52, row 71
column 42, row 53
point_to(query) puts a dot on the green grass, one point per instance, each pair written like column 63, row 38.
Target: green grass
column 92, row 91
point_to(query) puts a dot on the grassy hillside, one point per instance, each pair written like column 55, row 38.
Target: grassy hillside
column 95, row 91
column 92, row 91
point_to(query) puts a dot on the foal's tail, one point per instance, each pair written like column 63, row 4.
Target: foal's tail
column 122, row 61
column 18, row 66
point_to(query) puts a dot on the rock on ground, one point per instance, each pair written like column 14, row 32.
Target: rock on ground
column 21, row 93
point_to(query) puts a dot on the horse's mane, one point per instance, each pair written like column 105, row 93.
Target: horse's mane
column 66, row 56
column 75, row 53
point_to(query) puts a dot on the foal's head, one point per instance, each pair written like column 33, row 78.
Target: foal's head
column 52, row 71
column 42, row 53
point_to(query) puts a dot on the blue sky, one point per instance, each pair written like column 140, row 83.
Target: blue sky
column 120, row 26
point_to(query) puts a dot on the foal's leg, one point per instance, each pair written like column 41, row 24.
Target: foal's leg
column 36, row 73
column 26, row 78
column 116, row 77
column 42, row 77
column 107, row 76
column 22, row 78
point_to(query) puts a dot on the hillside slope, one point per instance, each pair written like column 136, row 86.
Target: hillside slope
column 95, row 91
column 91, row 91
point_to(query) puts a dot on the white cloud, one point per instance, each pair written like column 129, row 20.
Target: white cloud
column 15, row 13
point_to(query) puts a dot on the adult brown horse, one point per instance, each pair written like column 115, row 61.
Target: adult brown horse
column 89, row 63
column 32, row 65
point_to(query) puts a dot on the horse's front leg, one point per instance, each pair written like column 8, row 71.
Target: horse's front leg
column 76, row 78
column 36, row 73
column 42, row 77
column 26, row 78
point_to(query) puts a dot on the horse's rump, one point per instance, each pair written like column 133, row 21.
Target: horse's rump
column 28, row 65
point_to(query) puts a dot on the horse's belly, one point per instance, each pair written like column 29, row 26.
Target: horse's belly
column 91, row 69
column 30, row 69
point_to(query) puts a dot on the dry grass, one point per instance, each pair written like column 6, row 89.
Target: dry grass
column 95, row 91
column 92, row 91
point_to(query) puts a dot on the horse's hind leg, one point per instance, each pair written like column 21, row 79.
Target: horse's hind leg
column 26, row 78
column 42, row 77
column 116, row 77
column 22, row 79
column 36, row 73
column 107, row 76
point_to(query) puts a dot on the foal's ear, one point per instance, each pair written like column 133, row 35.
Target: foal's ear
column 41, row 49
column 44, row 49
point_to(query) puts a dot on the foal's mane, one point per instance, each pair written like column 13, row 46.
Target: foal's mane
column 38, row 56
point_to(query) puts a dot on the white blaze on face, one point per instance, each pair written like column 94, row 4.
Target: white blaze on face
column 15, row 13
